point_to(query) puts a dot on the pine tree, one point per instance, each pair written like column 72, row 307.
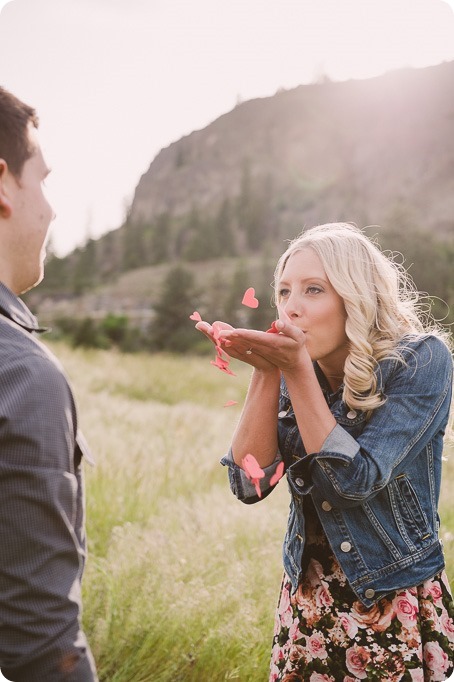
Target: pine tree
column 171, row 328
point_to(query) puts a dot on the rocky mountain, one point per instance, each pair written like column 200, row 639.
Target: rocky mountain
column 377, row 152
column 355, row 150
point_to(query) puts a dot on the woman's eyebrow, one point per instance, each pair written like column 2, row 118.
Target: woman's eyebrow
column 305, row 279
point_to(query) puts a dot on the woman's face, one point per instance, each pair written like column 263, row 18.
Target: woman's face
column 308, row 298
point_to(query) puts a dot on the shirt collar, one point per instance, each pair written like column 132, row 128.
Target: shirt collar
column 15, row 309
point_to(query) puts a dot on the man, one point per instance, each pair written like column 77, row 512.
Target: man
column 42, row 542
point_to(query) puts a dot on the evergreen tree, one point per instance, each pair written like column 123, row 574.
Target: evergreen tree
column 160, row 239
column 171, row 328
column 85, row 270
column 234, row 312
column 261, row 317
column 134, row 251
column 223, row 229
column 250, row 210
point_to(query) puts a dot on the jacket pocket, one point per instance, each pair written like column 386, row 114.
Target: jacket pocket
column 411, row 518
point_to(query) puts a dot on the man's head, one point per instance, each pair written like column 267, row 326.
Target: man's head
column 15, row 118
column 25, row 213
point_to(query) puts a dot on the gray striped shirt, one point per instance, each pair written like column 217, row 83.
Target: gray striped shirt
column 42, row 537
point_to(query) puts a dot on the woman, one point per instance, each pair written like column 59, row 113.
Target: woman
column 353, row 394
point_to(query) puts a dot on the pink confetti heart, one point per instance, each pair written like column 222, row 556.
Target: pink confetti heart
column 223, row 365
column 272, row 329
column 278, row 475
column 256, row 483
column 251, row 467
column 253, row 471
column 229, row 403
column 195, row 316
column 249, row 298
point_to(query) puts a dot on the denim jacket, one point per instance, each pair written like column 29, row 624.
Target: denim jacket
column 375, row 483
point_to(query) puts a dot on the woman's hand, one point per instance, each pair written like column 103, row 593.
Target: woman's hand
column 285, row 349
column 236, row 347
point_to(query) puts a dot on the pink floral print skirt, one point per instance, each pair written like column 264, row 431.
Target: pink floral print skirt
column 324, row 634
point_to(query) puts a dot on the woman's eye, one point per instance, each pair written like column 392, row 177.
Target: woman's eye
column 283, row 293
column 314, row 290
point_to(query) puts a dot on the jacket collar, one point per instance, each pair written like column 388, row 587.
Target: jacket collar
column 330, row 395
column 15, row 309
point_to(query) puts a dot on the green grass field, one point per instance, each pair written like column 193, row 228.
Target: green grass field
column 182, row 579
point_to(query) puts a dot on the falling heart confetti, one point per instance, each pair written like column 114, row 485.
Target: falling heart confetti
column 195, row 316
column 229, row 403
column 278, row 475
column 222, row 360
column 223, row 365
column 249, row 299
column 253, row 471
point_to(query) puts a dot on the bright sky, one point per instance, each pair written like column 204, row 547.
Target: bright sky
column 115, row 81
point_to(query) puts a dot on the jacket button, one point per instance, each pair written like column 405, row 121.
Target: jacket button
column 369, row 593
column 326, row 506
column 352, row 414
column 299, row 482
column 346, row 546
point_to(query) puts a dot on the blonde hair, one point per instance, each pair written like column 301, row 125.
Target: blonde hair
column 381, row 303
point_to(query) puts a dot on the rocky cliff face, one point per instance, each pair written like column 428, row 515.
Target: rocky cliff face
column 356, row 150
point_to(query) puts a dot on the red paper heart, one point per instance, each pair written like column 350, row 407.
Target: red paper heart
column 251, row 467
column 272, row 329
column 249, row 298
column 278, row 475
column 195, row 316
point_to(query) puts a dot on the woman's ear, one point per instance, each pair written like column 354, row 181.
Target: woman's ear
column 5, row 201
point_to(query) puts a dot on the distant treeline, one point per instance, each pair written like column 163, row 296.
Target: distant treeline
column 169, row 327
column 241, row 228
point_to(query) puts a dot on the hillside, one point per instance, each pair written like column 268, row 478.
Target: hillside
column 330, row 150
column 376, row 152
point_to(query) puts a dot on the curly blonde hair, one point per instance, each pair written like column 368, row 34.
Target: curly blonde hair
column 381, row 303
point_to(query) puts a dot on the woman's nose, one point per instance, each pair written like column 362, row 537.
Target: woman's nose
column 292, row 306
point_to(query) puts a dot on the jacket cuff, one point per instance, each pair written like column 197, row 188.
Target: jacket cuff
column 241, row 486
column 339, row 441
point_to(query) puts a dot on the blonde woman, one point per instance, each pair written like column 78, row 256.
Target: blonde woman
column 352, row 393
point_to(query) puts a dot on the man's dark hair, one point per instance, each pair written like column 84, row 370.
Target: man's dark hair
column 15, row 146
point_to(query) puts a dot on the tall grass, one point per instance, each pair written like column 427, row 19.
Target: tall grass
column 182, row 579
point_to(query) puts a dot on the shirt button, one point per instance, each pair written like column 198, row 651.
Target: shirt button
column 299, row 482
column 282, row 413
column 326, row 506
column 369, row 593
column 352, row 414
column 346, row 546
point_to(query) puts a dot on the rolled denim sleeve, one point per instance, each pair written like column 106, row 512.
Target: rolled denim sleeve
column 349, row 470
column 41, row 528
column 242, row 487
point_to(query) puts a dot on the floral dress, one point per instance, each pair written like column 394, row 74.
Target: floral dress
column 324, row 634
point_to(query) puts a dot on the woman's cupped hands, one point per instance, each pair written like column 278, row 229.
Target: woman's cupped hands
column 282, row 347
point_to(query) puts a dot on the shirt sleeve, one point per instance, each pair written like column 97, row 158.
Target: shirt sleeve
column 242, row 487
column 349, row 470
column 42, row 549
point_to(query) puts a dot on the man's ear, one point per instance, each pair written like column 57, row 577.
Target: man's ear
column 5, row 201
